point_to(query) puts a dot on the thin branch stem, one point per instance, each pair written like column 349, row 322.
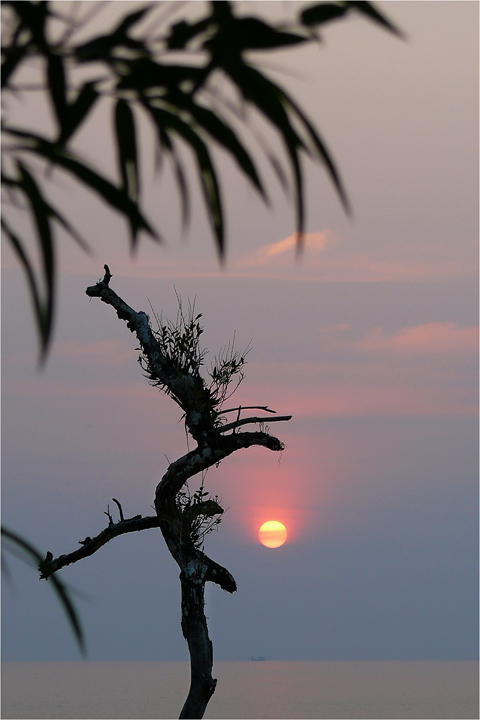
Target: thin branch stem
column 246, row 421
column 91, row 545
column 248, row 407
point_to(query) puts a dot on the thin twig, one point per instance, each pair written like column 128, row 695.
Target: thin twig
column 120, row 510
column 248, row 407
column 246, row 421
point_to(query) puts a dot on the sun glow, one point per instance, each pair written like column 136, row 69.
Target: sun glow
column 272, row 534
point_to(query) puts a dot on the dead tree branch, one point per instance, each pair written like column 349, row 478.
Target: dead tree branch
column 186, row 388
column 248, row 407
column 91, row 545
column 120, row 510
column 171, row 358
column 248, row 421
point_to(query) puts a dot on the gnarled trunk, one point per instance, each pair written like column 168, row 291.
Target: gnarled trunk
column 171, row 358
column 195, row 632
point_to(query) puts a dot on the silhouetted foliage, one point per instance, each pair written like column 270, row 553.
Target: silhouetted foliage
column 168, row 74
column 17, row 545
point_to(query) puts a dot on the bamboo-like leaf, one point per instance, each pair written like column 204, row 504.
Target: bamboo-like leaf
column 278, row 170
column 10, row 182
column 275, row 103
column 113, row 196
column 182, row 32
column 323, row 153
column 100, row 47
column 40, row 307
column 32, row 16
column 57, row 87
column 78, row 111
column 38, row 310
column 12, row 58
column 62, row 220
column 169, row 146
column 211, row 190
column 254, row 34
column 131, row 19
column 41, row 217
column 60, row 588
column 208, row 179
column 267, row 98
column 322, row 13
column 127, row 149
column 28, row 36
column 224, row 134
column 370, row 11
column 145, row 74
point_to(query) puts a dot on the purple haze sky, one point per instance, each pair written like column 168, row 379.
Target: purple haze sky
column 370, row 342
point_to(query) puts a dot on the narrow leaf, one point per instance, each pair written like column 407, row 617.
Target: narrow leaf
column 212, row 197
column 274, row 103
column 78, row 111
column 63, row 595
column 113, row 196
column 270, row 101
column 179, row 175
column 323, row 153
column 224, row 135
column 100, row 47
column 126, row 148
column 368, row 9
column 130, row 20
column 41, row 216
column 182, row 32
column 31, row 280
column 278, row 170
column 61, row 219
column 12, row 58
column 255, row 34
column 208, row 179
column 57, row 87
column 322, row 13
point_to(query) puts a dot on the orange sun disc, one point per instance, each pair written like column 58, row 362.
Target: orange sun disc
column 272, row 534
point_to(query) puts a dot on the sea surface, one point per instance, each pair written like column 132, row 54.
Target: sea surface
column 263, row 689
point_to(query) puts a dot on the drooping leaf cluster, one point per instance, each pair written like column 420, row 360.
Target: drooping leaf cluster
column 168, row 75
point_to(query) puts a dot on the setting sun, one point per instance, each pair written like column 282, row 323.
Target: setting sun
column 272, row 534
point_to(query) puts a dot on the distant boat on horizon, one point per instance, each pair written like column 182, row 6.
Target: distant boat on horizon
column 257, row 657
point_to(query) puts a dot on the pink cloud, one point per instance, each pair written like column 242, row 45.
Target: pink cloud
column 283, row 251
column 428, row 339
column 367, row 397
column 365, row 268
column 351, row 400
column 327, row 258
column 360, row 382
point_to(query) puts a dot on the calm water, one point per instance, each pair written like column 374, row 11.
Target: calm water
column 245, row 690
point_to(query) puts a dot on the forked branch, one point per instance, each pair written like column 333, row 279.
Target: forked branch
column 91, row 545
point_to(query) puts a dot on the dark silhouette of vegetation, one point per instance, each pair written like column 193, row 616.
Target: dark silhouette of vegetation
column 23, row 549
column 173, row 361
column 168, row 72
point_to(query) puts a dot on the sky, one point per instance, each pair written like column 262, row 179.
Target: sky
column 370, row 341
